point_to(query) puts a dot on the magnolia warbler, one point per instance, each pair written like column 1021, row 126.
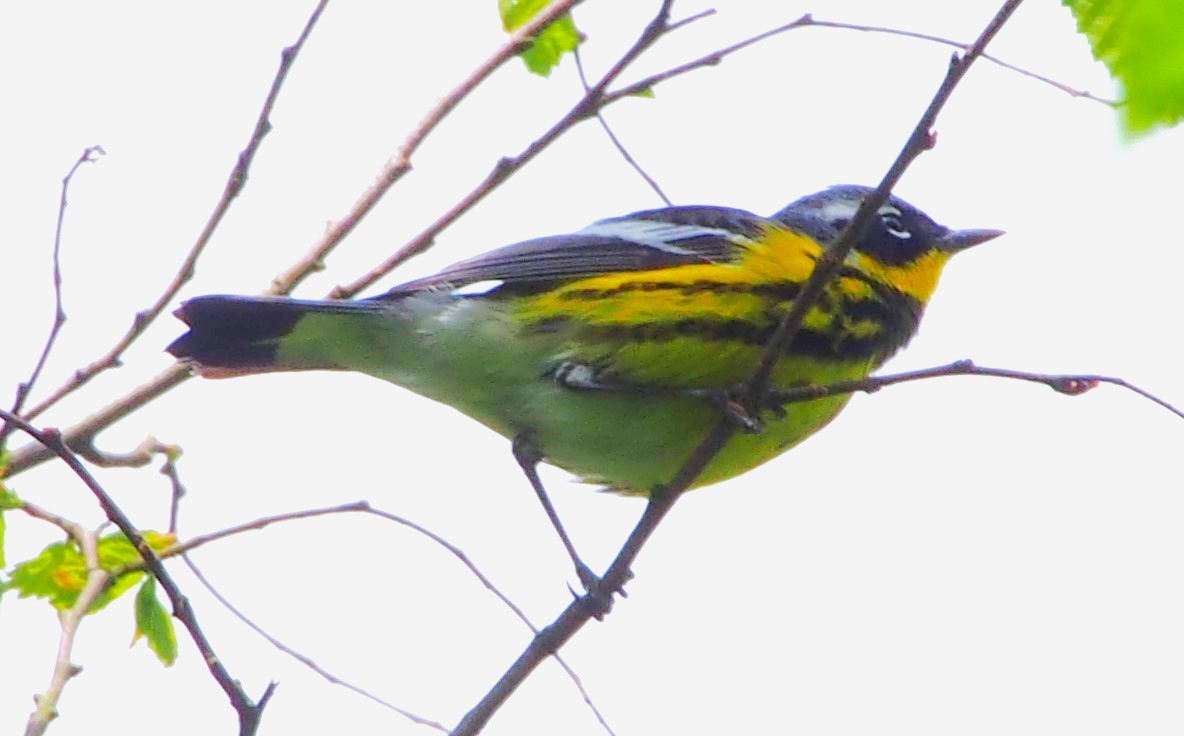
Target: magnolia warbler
column 553, row 341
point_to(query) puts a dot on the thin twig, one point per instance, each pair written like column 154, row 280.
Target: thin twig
column 81, row 435
column 399, row 163
column 1064, row 383
column 234, row 185
column 177, row 488
column 306, row 661
column 89, row 156
column 662, row 500
column 37, row 512
column 586, row 107
column 1071, row 91
column 612, row 137
column 182, row 549
column 715, row 57
column 137, row 457
column 64, row 670
column 248, row 713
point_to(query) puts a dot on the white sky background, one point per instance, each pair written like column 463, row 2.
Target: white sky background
column 963, row 555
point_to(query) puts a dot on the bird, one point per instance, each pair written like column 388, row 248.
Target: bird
column 599, row 351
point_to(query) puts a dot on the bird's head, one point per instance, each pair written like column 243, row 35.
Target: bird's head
column 902, row 246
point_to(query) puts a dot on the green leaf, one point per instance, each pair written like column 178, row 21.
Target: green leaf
column 8, row 499
column 1141, row 42
column 59, row 572
column 3, row 564
column 154, row 624
column 550, row 44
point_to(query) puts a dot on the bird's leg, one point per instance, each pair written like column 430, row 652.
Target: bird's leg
column 526, row 452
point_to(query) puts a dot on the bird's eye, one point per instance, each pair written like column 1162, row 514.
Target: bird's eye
column 894, row 226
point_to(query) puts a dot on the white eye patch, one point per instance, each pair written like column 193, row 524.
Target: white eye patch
column 890, row 216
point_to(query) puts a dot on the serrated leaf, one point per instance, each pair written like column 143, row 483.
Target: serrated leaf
column 154, row 624
column 59, row 572
column 1141, row 42
column 550, row 44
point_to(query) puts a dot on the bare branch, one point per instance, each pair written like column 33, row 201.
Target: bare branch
column 306, row 661
column 89, row 156
column 399, row 163
column 234, row 185
column 1071, row 91
column 1069, row 384
column 584, row 108
column 81, row 434
column 612, row 137
column 64, row 670
column 182, row 549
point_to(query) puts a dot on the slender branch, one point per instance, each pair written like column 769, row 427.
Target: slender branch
column 399, row 163
column 81, row 434
column 137, row 457
column 714, row 58
column 612, row 137
column 306, row 661
column 584, row 108
column 249, row 713
column 1071, row 91
column 182, row 549
column 37, row 512
column 64, row 670
column 88, row 156
column 234, row 185
column 1069, row 384
column 662, row 500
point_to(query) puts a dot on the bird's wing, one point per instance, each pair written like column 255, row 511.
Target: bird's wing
column 647, row 240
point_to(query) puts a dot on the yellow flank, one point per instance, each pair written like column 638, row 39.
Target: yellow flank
column 780, row 256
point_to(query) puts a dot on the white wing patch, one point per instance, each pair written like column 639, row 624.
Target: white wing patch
column 658, row 235
column 477, row 288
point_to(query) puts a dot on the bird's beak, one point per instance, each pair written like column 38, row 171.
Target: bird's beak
column 956, row 240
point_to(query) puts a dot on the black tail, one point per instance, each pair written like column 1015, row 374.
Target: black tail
column 232, row 335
